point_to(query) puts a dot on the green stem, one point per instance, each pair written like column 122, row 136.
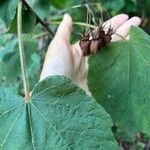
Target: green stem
column 21, row 51
column 39, row 35
column 75, row 23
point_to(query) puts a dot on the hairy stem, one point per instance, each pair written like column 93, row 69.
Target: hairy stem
column 21, row 51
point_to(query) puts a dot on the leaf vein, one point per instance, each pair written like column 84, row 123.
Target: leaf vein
column 11, row 127
column 10, row 110
column 31, row 131
column 51, row 125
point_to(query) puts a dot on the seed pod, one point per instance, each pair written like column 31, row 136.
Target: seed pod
column 100, row 43
column 101, row 33
column 94, row 40
column 94, row 46
column 85, row 46
column 106, row 40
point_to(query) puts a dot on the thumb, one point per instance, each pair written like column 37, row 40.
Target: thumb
column 65, row 28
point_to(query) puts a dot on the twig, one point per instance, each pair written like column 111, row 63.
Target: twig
column 75, row 23
column 39, row 35
column 44, row 24
column 21, row 51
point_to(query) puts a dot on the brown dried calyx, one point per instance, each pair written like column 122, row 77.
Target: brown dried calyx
column 95, row 39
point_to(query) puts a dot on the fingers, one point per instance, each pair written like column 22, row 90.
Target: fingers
column 58, row 60
column 65, row 28
column 116, row 21
column 124, row 29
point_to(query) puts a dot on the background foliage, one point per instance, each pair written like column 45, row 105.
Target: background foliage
column 37, row 37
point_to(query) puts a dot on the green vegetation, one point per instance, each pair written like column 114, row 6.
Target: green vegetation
column 59, row 115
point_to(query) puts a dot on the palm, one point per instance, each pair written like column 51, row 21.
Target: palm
column 65, row 59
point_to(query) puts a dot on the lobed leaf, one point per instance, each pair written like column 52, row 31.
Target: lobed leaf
column 119, row 78
column 59, row 115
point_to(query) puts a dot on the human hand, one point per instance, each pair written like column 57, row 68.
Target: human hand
column 62, row 58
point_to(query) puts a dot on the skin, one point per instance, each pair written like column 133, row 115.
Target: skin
column 62, row 58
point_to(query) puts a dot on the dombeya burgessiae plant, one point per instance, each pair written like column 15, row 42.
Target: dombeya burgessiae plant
column 56, row 115
column 57, row 109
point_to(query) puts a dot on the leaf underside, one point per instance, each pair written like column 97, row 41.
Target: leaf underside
column 119, row 78
column 58, row 116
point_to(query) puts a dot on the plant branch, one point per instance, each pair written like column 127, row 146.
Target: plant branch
column 21, row 51
column 44, row 24
column 75, row 23
column 39, row 35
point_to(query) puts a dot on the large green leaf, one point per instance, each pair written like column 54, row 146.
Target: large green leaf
column 7, row 11
column 119, row 78
column 58, row 116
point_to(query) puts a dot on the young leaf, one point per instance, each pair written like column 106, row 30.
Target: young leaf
column 119, row 78
column 58, row 116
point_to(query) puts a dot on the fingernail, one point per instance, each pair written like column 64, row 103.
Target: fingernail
column 138, row 20
column 65, row 16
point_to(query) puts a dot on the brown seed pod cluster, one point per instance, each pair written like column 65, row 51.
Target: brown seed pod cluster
column 95, row 39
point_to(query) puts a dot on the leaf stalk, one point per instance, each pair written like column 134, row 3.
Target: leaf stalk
column 21, row 51
column 75, row 23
